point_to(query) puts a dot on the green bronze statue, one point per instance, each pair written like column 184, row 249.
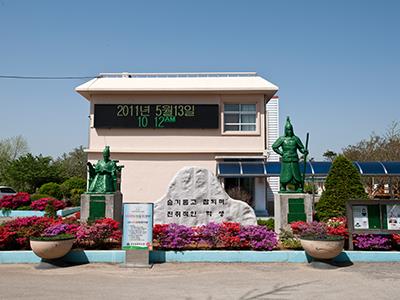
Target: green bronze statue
column 286, row 146
column 103, row 175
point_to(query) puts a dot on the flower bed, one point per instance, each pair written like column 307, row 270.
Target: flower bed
column 372, row 242
column 105, row 234
column 338, row 227
column 213, row 236
column 102, row 234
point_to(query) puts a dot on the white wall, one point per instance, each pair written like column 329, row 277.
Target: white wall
column 272, row 115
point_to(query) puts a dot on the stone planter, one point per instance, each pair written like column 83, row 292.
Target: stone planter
column 51, row 249
column 322, row 249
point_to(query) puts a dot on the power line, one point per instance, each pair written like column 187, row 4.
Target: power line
column 46, row 77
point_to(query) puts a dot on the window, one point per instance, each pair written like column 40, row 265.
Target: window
column 240, row 117
column 241, row 189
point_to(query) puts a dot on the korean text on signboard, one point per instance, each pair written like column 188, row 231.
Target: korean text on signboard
column 137, row 226
column 211, row 209
column 156, row 116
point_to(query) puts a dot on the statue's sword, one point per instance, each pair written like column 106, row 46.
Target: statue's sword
column 305, row 160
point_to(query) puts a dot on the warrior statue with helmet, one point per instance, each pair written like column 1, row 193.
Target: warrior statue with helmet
column 286, row 146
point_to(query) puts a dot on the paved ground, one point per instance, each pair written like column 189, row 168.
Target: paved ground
column 201, row 281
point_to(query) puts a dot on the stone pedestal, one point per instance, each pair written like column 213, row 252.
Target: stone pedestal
column 292, row 207
column 137, row 259
column 98, row 206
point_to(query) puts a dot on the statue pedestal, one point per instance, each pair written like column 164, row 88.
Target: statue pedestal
column 292, row 207
column 98, row 206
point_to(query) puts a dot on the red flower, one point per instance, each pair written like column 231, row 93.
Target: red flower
column 338, row 226
column 298, row 226
column 15, row 201
column 159, row 230
column 396, row 238
column 41, row 204
column 108, row 221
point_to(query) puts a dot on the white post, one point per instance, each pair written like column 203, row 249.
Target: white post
column 259, row 195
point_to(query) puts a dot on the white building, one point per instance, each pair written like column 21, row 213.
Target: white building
column 155, row 124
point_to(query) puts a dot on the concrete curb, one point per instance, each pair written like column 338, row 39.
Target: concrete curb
column 75, row 256
column 36, row 213
column 288, row 256
column 118, row 256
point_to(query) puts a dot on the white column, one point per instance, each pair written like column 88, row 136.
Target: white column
column 272, row 114
column 259, row 195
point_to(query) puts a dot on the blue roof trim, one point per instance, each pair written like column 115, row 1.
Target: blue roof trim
column 313, row 168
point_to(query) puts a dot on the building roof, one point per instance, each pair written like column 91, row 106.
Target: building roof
column 238, row 82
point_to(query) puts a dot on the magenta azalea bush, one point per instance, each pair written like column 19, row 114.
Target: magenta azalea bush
column 41, row 204
column 372, row 242
column 213, row 236
column 314, row 229
column 56, row 229
column 103, row 233
column 15, row 201
column 22, row 200
column 258, row 237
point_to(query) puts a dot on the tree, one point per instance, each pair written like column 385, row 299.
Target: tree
column 28, row 172
column 384, row 147
column 343, row 183
column 377, row 148
column 11, row 149
column 329, row 155
column 73, row 164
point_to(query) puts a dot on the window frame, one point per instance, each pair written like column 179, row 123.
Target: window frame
column 240, row 112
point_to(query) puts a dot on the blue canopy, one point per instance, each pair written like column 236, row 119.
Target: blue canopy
column 313, row 168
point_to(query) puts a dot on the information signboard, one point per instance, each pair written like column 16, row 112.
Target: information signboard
column 377, row 216
column 157, row 116
column 137, row 226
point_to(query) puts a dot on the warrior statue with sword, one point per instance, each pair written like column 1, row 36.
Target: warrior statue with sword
column 286, row 146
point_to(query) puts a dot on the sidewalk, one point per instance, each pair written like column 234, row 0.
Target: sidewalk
column 201, row 281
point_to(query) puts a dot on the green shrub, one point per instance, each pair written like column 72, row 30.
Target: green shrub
column 27, row 207
column 289, row 241
column 269, row 223
column 51, row 188
column 343, row 183
column 73, row 183
column 76, row 196
column 35, row 197
column 50, row 210
column 310, row 188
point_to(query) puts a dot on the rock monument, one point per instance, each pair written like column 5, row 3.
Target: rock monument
column 103, row 198
column 195, row 197
column 291, row 204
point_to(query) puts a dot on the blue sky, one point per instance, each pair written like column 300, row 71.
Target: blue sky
column 336, row 62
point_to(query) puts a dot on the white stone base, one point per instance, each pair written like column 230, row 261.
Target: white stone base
column 281, row 208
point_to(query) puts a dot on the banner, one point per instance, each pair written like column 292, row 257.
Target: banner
column 360, row 217
column 393, row 217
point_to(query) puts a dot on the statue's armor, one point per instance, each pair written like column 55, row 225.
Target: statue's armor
column 289, row 149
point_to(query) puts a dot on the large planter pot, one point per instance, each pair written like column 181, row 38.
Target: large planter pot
column 322, row 249
column 51, row 249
